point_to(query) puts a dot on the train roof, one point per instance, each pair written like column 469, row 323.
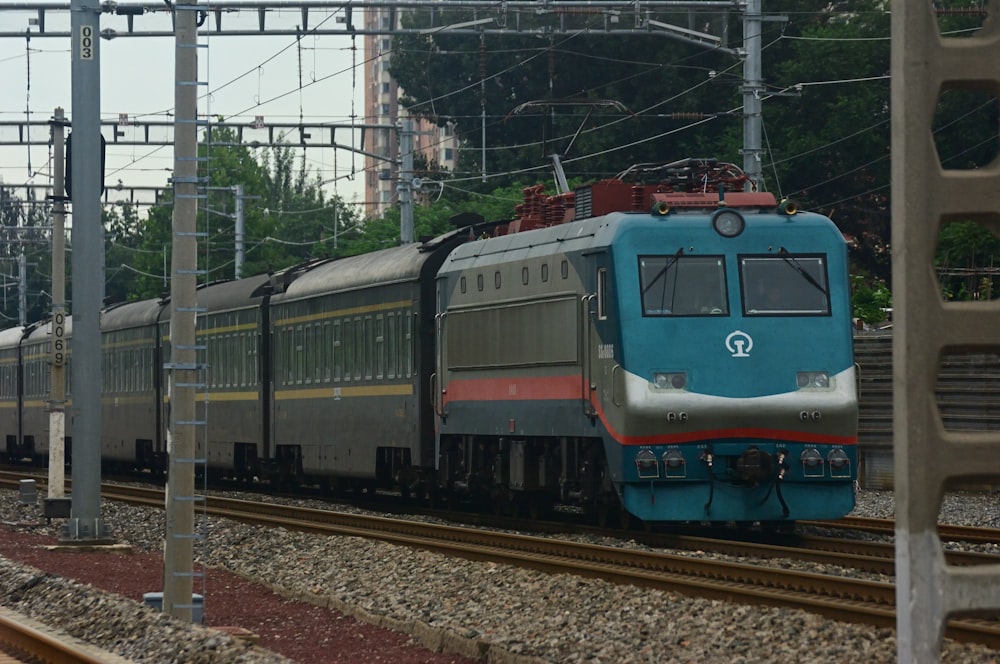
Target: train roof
column 386, row 266
column 131, row 314
column 378, row 267
column 234, row 294
column 41, row 330
column 561, row 238
column 11, row 337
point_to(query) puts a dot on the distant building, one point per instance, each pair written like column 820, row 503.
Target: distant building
column 438, row 145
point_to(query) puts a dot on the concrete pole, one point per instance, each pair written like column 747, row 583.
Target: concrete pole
column 406, row 182
column 179, row 545
column 57, row 398
column 22, row 288
column 88, row 268
column 752, row 88
column 240, row 221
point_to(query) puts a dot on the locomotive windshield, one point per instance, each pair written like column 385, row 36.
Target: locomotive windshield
column 785, row 284
column 681, row 285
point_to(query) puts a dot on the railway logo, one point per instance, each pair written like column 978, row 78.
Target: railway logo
column 739, row 343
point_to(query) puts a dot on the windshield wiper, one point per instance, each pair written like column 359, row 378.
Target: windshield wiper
column 790, row 260
column 663, row 271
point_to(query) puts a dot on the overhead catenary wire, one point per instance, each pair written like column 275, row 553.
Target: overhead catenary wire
column 494, row 147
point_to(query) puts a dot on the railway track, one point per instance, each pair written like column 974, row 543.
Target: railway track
column 887, row 527
column 22, row 640
column 838, row 597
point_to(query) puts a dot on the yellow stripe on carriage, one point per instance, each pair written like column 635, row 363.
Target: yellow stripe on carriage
column 403, row 390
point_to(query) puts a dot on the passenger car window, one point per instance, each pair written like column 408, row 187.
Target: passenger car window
column 680, row 285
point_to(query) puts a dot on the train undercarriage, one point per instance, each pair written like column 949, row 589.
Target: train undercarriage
column 528, row 476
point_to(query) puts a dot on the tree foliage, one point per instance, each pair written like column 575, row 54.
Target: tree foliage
column 600, row 102
column 288, row 218
column 826, row 105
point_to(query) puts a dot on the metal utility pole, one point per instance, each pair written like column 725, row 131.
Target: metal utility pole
column 406, row 182
column 57, row 395
column 183, row 365
column 752, row 88
column 88, row 267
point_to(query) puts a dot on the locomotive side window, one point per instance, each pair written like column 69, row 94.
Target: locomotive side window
column 785, row 285
column 681, row 285
column 545, row 271
column 602, row 293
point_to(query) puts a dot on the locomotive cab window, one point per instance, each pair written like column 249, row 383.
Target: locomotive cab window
column 678, row 285
column 785, row 285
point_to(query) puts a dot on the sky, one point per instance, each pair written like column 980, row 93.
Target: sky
column 319, row 79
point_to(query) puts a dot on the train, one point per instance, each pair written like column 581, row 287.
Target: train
column 666, row 345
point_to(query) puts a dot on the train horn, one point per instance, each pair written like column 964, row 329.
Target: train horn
column 788, row 207
column 660, row 208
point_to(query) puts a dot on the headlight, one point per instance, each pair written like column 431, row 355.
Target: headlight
column 673, row 458
column 840, row 463
column 811, row 457
column 676, row 380
column 817, row 380
column 812, row 462
column 728, row 223
column 838, row 458
column 646, row 465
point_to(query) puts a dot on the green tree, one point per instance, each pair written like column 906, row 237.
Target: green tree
column 123, row 238
column 870, row 298
column 829, row 141
column 288, row 218
column 604, row 102
column 967, row 257
column 24, row 230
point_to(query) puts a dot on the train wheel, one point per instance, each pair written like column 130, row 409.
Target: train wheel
column 624, row 519
column 778, row 527
column 602, row 514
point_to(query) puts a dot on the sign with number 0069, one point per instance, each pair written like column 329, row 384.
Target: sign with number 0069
column 58, row 339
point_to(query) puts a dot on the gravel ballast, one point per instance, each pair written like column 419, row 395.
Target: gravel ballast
column 477, row 610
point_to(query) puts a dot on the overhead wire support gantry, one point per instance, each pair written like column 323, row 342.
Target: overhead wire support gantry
column 622, row 17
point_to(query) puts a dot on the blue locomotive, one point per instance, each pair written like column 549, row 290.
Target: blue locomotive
column 661, row 345
column 689, row 358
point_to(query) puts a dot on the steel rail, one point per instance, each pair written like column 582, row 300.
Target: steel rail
column 888, row 527
column 35, row 645
column 841, row 598
column 849, row 599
